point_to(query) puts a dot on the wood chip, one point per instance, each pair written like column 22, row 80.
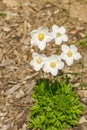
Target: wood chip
column 13, row 89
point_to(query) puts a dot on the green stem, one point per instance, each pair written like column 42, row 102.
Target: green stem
column 51, row 91
column 55, row 78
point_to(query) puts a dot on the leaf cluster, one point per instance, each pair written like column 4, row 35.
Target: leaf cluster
column 56, row 106
column 83, row 42
column 2, row 14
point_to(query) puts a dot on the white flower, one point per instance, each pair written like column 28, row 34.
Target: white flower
column 40, row 37
column 59, row 35
column 53, row 64
column 69, row 54
column 38, row 61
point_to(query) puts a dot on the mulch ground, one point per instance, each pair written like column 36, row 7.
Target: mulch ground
column 16, row 75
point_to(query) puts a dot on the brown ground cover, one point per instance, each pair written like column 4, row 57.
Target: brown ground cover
column 17, row 19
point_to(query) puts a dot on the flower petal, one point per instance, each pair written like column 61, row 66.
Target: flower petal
column 54, row 57
column 60, row 65
column 32, row 62
column 73, row 48
column 33, row 32
column 63, row 56
column 69, row 61
column 42, row 29
column 55, row 28
column 58, row 41
column 62, row 30
column 33, row 42
column 64, row 37
column 37, row 67
column 76, row 56
column 54, row 72
column 65, row 48
column 41, row 45
column 45, row 69
column 35, row 55
column 49, row 37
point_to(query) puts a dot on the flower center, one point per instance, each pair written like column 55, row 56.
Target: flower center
column 39, row 60
column 58, row 34
column 53, row 64
column 69, row 54
column 40, row 36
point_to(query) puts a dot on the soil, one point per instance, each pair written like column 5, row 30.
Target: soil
column 17, row 77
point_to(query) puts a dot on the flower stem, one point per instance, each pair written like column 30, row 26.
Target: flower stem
column 51, row 90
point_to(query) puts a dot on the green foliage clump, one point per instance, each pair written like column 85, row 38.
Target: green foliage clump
column 56, row 106
column 2, row 14
column 83, row 42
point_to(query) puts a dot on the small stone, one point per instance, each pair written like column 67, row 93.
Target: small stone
column 82, row 93
column 1, row 114
column 2, row 118
column 6, row 29
column 82, row 34
column 82, row 120
column 20, row 94
column 5, row 127
column 24, row 127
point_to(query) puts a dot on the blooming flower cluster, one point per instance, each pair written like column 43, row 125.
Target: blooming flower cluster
column 54, row 63
column 49, row 64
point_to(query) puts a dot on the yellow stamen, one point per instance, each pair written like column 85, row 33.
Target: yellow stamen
column 39, row 60
column 40, row 36
column 69, row 54
column 58, row 34
column 53, row 64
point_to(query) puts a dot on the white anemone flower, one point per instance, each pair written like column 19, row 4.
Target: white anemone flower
column 38, row 61
column 53, row 64
column 70, row 54
column 59, row 34
column 40, row 37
